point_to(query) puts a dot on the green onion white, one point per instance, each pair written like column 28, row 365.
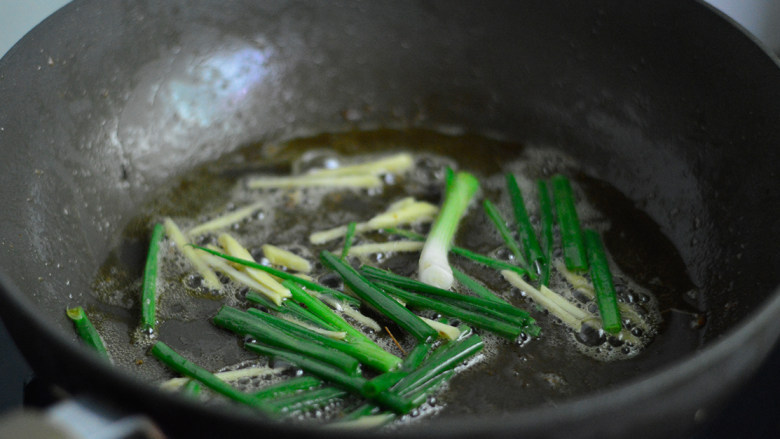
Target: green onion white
column 228, row 376
column 581, row 284
column 241, row 277
column 234, row 248
column 174, row 232
column 303, row 181
column 385, row 247
column 405, row 211
column 225, row 220
column 364, row 422
column 336, row 335
column 571, row 315
column 446, row 331
column 348, row 311
column 281, row 257
column 434, row 267
column 394, row 164
column 561, row 308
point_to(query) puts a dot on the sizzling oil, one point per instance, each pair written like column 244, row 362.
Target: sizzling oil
column 506, row 375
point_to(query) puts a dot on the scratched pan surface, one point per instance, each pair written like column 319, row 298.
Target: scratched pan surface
column 106, row 103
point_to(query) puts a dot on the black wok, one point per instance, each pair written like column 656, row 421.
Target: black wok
column 106, row 102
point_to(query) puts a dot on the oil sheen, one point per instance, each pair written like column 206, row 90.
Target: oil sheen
column 506, row 375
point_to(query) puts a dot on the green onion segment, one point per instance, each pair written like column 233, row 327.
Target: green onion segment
column 525, row 230
column 602, row 282
column 86, row 330
column 149, row 291
column 434, row 267
column 574, row 255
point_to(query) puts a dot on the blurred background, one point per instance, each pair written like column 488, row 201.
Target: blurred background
column 761, row 18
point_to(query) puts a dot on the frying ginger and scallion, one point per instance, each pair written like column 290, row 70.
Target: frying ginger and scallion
column 379, row 347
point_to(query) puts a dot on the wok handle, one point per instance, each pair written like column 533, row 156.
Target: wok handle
column 79, row 418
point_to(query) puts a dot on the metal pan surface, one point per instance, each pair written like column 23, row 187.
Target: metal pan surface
column 666, row 101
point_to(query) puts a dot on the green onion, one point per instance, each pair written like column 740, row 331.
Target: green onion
column 348, row 239
column 416, row 356
column 325, row 371
column 149, row 294
column 390, row 399
column 419, row 394
column 316, row 307
column 283, row 275
column 585, row 287
column 306, row 400
column 227, row 376
column 554, row 303
column 495, row 216
column 383, row 382
column 260, row 281
column 288, row 387
column 442, row 359
column 243, row 323
column 292, row 307
column 322, row 311
column 262, row 300
column 500, row 310
column 316, row 367
column 389, row 379
column 449, row 178
column 86, row 330
column 313, row 180
column 404, row 211
column 394, row 164
column 321, row 369
column 460, row 251
column 175, row 234
column 289, row 307
column 489, row 262
column 434, row 267
column 602, row 282
column 185, row 367
column 395, row 402
column 225, row 220
column 378, row 299
column 366, row 409
column 545, row 207
column 191, row 389
column 574, row 255
column 281, row 257
column 413, row 362
column 476, row 287
column 360, row 352
column 362, row 423
column 509, row 330
column 525, row 230
column 385, row 247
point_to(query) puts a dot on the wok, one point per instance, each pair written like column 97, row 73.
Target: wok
column 107, row 102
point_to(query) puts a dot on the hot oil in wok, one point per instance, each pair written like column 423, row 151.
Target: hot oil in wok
column 508, row 375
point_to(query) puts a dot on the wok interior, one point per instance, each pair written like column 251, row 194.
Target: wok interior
column 664, row 101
